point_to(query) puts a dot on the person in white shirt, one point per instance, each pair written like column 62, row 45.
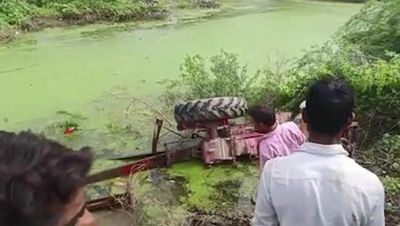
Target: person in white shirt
column 319, row 185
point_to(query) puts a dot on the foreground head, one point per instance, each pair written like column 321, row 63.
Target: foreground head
column 41, row 182
column 329, row 109
column 264, row 119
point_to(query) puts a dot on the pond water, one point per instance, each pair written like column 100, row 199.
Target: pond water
column 69, row 69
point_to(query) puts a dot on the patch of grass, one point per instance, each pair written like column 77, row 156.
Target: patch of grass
column 392, row 194
column 392, row 184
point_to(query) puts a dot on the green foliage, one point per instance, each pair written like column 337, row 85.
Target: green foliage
column 376, row 30
column 64, row 121
column 376, row 83
column 392, row 184
column 16, row 12
column 67, row 120
column 225, row 76
column 20, row 12
column 383, row 158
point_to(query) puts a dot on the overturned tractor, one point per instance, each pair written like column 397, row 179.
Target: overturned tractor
column 214, row 130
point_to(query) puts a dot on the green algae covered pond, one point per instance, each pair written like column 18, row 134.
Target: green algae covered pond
column 105, row 77
column 70, row 69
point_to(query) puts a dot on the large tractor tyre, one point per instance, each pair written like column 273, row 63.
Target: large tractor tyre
column 212, row 109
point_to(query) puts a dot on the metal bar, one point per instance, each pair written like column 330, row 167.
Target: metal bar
column 110, row 202
column 173, row 131
column 156, row 135
column 135, row 156
column 132, row 168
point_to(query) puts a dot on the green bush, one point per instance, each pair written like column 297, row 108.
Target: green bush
column 116, row 10
column 376, row 29
column 383, row 158
column 376, row 84
column 20, row 12
column 16, row 12
column 225, row 76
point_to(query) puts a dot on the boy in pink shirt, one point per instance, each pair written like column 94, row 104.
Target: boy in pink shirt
column 279, row 139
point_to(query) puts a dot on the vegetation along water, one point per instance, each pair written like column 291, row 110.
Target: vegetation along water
column 110, row 79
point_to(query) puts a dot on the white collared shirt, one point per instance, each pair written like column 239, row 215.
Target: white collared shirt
column 319, row 185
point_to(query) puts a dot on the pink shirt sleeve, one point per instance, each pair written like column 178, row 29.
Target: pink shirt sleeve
column 283, row 142
column 295, row 133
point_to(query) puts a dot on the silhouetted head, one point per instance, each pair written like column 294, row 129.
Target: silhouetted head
column 264, row 118
column 41, row 181
column 329, row 108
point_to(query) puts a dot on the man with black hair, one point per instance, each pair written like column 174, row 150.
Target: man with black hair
column 41, row 182
column 278, row 139
column 319, row 185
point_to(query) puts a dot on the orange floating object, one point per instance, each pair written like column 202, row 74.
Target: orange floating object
column 69, row 131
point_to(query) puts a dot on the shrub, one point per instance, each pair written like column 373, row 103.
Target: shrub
column 383, row 158
column 15, row 12
column 225, row 76
column 20, row 12
column 376, row 29
column 376, row 83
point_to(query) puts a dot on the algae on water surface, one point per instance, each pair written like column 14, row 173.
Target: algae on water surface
column 219, row 187
column 174, row 194
column 69, row 68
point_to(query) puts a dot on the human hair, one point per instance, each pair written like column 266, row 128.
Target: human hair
column 38, row 177
column 262, row 114
column 329, row 106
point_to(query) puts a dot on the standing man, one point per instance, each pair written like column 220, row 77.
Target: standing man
column 279, row 139
column 320, row 185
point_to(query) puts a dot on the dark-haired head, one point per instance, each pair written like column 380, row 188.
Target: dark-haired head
column 264, row 118
column 41, row 181
column 329, row 108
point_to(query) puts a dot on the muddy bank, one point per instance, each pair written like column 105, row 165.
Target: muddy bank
column 7, row 34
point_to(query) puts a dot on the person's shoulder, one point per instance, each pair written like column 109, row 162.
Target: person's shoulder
column 367, row 179
column 293, row 130
column 285, row 162
column 290, row 126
